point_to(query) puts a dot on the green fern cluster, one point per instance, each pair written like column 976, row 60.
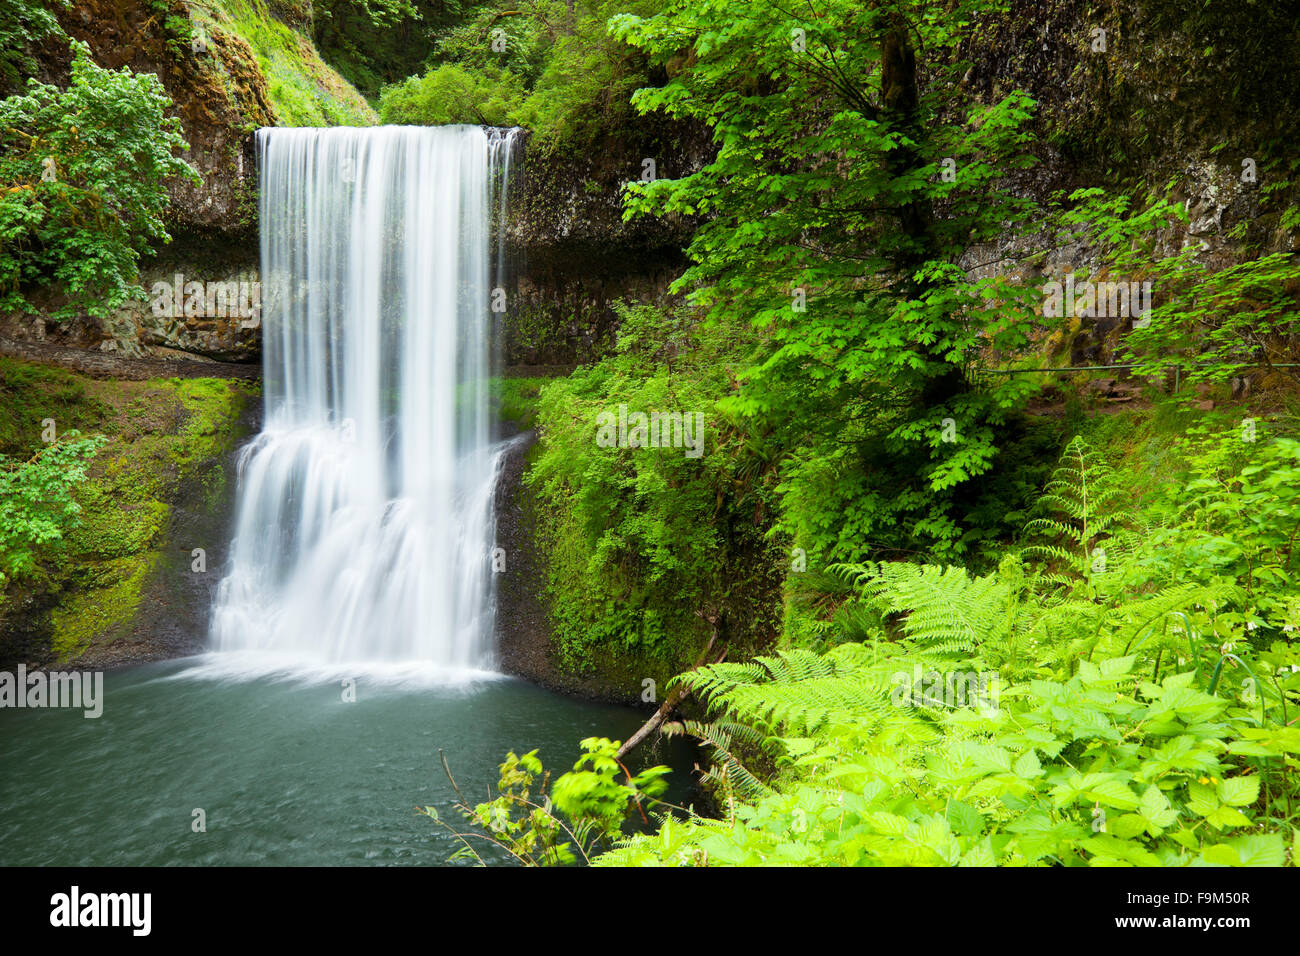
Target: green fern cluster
column 1141, row 722
column 943, row 610
column 796, row 691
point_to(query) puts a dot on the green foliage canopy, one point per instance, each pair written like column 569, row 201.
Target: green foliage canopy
column 548, row 65
column 844, row 192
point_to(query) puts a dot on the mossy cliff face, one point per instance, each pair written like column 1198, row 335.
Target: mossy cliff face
column 126, row 582
column 1142, row 87
column 230, row 67
column 624, row 638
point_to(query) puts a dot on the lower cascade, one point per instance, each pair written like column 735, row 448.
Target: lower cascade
column 365, row 522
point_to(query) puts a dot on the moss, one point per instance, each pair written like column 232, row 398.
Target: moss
column 111, row 528
column 515, row 399
column 162, row 435
column 592, row 654
column 95, row 614
column 303, row 90
column 611, row 627
column 31, row 394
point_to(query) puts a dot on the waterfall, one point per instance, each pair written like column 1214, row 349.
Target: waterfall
column 365, row 521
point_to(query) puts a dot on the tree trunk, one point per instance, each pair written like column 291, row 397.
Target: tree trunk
column 669, row 703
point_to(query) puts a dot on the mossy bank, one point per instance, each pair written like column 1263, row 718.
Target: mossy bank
column 132, row 579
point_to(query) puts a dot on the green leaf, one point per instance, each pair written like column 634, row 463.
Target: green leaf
column 1239, row 791
column 964, row 819
column 1256, row 849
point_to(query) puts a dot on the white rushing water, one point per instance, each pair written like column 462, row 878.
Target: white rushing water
column 365, row 520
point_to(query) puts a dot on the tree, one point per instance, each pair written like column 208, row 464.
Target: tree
column 849, row 180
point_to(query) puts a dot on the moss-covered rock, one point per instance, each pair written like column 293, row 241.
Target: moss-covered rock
column 157, row 490
column 303, row 90
column 100, row 611
column 230, row 67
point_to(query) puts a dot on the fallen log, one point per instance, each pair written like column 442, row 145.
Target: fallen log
column 671, row 701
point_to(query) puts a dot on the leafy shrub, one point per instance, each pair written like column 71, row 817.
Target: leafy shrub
column 559, row 73
column 1140, row 718
column 453, row 94
column 37, row 506
column 84, row 174
column 588, row 805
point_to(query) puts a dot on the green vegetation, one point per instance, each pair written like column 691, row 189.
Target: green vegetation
column 973, row 660
column 647, row 546
column 36, row 502
column 831, row 223
column 303, row 90
column 1115, row 692
column 452, row 94
column 516, row 399
column 83, row 174
column 375, row 42
column 82, row 537
column 1142, row 716
column 23, row 24
column 549, row 65
column 519, row 819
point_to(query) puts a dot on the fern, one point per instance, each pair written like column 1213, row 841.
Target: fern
column 728, row 771
column 945, row 610
column 796, row 692
column 1085, row 528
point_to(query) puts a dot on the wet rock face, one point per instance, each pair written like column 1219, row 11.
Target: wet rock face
column 574, row 254
column 1217, row 201
column 219, row 318
column 202, row 302
column 569, row 201
column 1167, row 93
column 562, row 312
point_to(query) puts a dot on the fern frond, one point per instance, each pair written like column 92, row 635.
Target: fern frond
column 727, row 770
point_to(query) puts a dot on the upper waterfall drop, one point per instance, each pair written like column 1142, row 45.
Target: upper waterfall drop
column 365, row 519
